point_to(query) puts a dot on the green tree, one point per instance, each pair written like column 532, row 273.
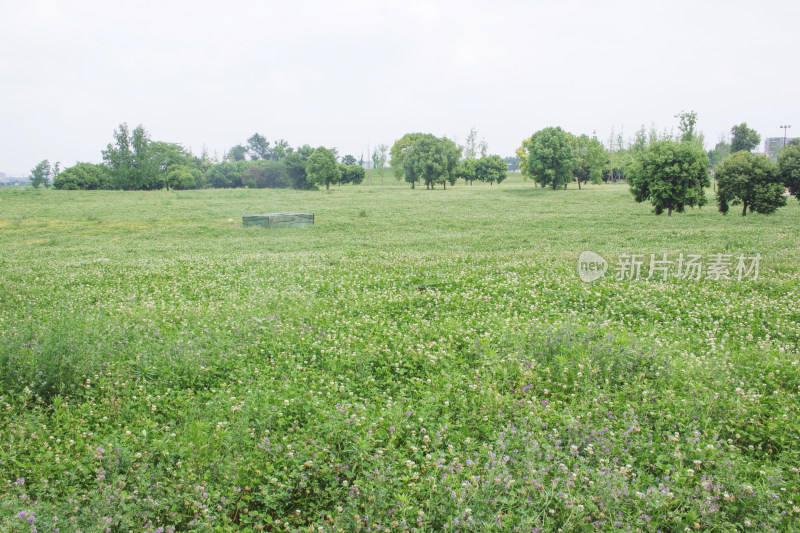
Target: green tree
column 83, row 176
column 265, row 174
column 467, row 170
column 349, row 160
column 258, row 147
column 590, row 160
column 399, row 150
column 471, row 145
column 40, row 175
column 376, row 160
column 751, row 180
column 671, row 175
column 167, row 157
column 322, row 168
column 296, row 167
column 548, row 157
column 279, row 150
column 432, row 160
column 354, row 174
column 383, row 155
column 492, row 169
column 237, row 153
column 225, row 175
column 789, row 165
column 129, row 160
column 744, row 138
column 687, row 121
column 179, row 177
column 718, row 154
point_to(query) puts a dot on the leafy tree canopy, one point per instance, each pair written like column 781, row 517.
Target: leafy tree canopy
column 789, row 165
column 322, row 168
column 548, row 157
column 431, row 160
column 671, row 175
column 744, row 138
column 752, row 181
column 398, row 152
column 83, row 176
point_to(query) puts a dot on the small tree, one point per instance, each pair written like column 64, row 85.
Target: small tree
column 744, row 138
column 671, row 175
column 322, row 168
column 399, row 150
column 750, row 180
column 354, row 174
column 432, row 160
column 789, row 165
column 548, row 157
column 40, row 175
column 492, row 169
column 349, row 160
column 590, row 160
column 467, row 170
column 83, row 176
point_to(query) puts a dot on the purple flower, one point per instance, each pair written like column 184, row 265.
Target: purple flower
column 20, row 481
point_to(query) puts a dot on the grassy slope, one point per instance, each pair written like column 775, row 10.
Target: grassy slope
column 271, row 376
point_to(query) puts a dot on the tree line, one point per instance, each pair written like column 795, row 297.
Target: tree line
column 135, row 162
column 671, row 171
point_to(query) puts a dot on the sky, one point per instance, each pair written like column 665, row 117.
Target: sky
column 353, row 74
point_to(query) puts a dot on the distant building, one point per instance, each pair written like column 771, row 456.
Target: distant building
column 773, row 145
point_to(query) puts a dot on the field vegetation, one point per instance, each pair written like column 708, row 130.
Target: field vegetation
column 417, row 360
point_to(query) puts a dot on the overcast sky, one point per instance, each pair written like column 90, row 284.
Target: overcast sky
column 353, row 73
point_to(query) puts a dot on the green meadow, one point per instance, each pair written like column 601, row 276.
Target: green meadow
column 415, row 361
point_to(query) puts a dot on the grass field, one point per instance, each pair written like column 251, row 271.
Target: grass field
column 417, row 360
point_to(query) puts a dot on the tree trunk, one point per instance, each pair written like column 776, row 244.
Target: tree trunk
column 669, row 211
column 744, row 209
column 327, row 186
column 444, row 184
column 412, row 184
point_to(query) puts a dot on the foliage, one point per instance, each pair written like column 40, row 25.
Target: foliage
column 590, row 161
column 752, row 181
column 492, row 169
column 322, row 168
column 687, row 122
column 354, row 174
column 432, row 160
column 467, row 170
column 83, row 176
column 671, row 175
column 349, row 160
column 265, row 174
column 789, row 165
column 237, row 153
column 296, row 167
column 398, row 152
column 719, row 154
column 744, row 138
column 162, row 369
column 548, row 157
column 40, row 175
column 129, row 160
column 225, row 175
column 258, row 147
